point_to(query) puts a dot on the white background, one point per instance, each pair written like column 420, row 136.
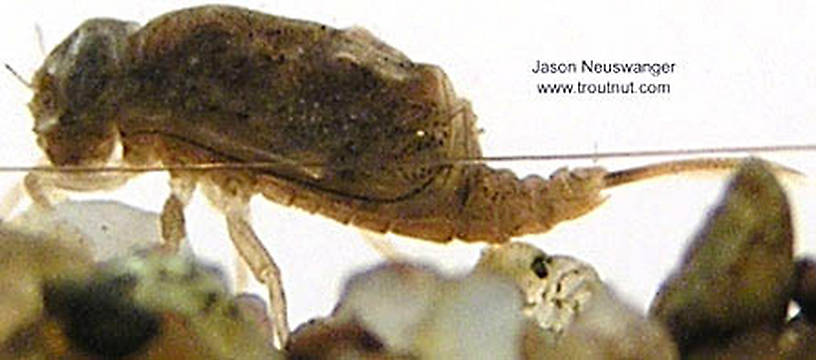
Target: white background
column 744, row 77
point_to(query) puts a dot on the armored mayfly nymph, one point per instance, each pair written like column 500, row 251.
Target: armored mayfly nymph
column 341, row 123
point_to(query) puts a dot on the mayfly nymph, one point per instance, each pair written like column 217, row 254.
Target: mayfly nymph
column 343, row 125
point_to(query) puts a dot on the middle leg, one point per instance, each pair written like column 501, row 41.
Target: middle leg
column 173, row 228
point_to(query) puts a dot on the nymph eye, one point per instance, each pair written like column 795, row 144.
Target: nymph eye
column 539, row 266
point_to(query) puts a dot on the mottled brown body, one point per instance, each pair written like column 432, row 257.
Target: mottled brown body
column 342, row 124
column 352, row 128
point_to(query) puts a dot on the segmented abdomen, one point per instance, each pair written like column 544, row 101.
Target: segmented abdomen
column 471, row 203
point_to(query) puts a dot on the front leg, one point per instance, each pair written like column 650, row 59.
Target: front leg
column 43, row 187
column 41, row 192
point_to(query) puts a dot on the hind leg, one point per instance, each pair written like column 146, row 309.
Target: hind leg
column 253, row 252
column 262, row 266
column 249, row 247
column 381, row 244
